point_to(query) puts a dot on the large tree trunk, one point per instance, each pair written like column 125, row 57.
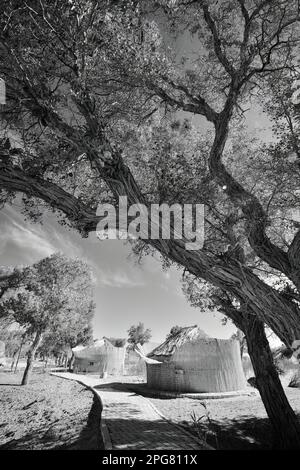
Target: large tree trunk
column 285, row 425
column 31, row 356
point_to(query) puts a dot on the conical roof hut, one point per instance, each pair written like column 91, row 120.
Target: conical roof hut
column 187, row 334
column 191, row 361
column 105, row 356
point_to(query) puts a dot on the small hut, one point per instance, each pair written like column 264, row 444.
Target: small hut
column 106, row 357
column 191, row 361
column 134, row 361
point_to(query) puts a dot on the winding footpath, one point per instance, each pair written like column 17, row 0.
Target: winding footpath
column 130, row 421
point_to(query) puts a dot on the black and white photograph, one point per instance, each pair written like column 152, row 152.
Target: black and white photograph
column 149, row 229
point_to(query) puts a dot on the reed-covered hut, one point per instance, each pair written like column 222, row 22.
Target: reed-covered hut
column 106, row 357
column 191, row 361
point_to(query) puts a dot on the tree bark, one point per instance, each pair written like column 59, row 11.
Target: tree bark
column 285, row 425
column 19, row 354
column 31, row 356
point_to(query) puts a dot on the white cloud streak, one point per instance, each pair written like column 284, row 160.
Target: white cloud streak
column 119, row 279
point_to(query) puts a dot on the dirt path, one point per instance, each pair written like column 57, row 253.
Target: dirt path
column 48, row 413
column 132, row 422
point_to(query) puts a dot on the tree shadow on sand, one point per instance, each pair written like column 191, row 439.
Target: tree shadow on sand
column 52, row 437
column 90, row 437
column 135, row 388
column 147, row 434
column 243, row 433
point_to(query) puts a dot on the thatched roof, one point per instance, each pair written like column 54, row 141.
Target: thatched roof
column 98, row 347
column 187, row 334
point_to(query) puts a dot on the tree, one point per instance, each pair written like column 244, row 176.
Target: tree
column 53, row 296
column 158, row 83
column 76, row 329
column 137, row 334
column 14, row 339
column 6, row 277
column 87, row 101
column 118, row 342
column 174, row 331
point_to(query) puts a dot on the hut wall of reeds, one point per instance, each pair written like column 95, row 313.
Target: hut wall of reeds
column 194, row 363
column 102, row 357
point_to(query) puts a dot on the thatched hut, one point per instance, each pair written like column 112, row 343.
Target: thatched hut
column 134, row 362
column 190, row 361
column 106, row 357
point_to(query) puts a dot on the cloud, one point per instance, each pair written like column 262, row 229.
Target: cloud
column 29, row 239
column 32, row 241
column 62, row 241
column 119, row 279
column 18, row 238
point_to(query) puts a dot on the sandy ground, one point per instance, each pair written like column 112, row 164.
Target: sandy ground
column 238, row 423
column 48, row 413
column 53, row 413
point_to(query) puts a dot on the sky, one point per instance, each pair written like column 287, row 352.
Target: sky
column 125, row 292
